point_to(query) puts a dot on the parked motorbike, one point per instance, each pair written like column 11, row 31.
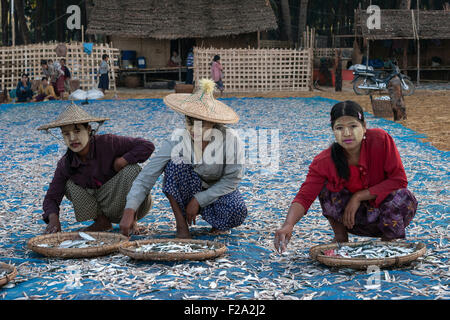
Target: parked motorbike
column 368, row 79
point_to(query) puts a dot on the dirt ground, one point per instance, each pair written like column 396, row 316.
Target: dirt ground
column 428, row 111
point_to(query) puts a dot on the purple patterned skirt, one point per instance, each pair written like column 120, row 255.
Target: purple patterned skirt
column 182, row 182
column 389, row 220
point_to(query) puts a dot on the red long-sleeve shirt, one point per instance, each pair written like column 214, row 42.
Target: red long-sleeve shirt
column 379, row 163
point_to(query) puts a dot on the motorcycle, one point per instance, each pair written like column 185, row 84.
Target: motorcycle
column 367, row 79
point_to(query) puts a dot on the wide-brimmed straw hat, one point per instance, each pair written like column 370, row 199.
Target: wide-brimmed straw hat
column 72, row 115
column 202, row 105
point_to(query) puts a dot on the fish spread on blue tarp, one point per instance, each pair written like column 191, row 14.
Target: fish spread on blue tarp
column 251, row 269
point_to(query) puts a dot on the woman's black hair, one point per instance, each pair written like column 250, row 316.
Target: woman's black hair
column 69, row 153
column 216, row 58
column 345, row 108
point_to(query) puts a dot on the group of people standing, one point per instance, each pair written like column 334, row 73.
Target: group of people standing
column 216, row 70
column 58, row 74
column 359, row 180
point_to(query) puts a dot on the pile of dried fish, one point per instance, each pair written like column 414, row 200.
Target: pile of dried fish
column 86, row 242
column 370, row 251
column 385, row 98
column 173, row 247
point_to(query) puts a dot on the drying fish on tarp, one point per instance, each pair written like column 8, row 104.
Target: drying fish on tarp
column 173, row 247
column 27, row 159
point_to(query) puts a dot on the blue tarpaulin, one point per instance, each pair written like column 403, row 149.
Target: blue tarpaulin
column 296, row 129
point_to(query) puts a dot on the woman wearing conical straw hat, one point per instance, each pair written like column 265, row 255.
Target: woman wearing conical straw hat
column 202, row 166
column 95, row 173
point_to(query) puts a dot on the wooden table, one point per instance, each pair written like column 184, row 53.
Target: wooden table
column 146, row 71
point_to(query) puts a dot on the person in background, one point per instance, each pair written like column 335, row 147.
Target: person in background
column 67, row 75
column 175, row 60
column 57, row 78
column 3, row 95
column 217, row 73
column 23, row 89
column 45, row 91
column 104, row 74
column 46, row 70
column 190, row 67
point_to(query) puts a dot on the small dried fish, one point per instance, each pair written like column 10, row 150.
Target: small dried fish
column 371, row 251
column 87, row 242
column 173, row 247
column 85, row 236
column 28, row 163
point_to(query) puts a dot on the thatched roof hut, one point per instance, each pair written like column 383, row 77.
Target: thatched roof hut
column 178, row 19
column 430, row 27
column 398, row 24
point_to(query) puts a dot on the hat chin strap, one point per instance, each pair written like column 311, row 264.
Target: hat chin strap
column 94, row 131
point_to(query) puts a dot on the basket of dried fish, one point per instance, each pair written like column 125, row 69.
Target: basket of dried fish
column 360, row 255
column 381, row 107
column 172, row 249
column 7, row 273
column 77, row 244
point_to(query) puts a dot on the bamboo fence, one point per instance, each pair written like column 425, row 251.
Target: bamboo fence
column 16, row 60
column 258, row 70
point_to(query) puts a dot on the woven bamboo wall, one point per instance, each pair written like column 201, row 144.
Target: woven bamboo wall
column 249, row 70
column 14, row 61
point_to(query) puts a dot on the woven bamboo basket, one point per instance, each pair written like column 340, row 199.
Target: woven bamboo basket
column 381, row 108
column 316, row 253
column 127, row 249
column 11, row 275
column 112, row 242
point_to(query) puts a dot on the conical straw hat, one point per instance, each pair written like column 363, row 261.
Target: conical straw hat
column 72, row 115
column 202, row 105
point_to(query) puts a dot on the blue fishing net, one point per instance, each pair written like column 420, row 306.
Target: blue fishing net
column 251, row 269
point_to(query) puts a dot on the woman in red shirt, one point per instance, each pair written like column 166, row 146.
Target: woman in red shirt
column 360, row 181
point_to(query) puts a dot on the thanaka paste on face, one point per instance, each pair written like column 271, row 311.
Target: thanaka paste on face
column 348, row 128
column 75, row 134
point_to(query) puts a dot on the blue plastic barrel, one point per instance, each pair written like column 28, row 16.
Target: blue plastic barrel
column 141, row 62
column 128, row 55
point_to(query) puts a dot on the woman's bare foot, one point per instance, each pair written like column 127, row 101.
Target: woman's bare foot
column 101, row 224
column 183, row 234
column 340, row 231
column 180, row 220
